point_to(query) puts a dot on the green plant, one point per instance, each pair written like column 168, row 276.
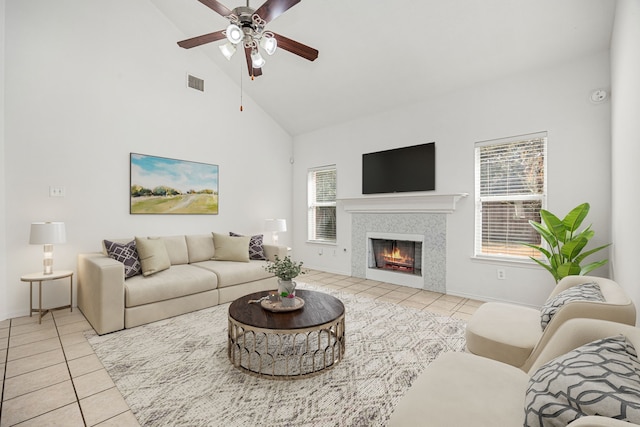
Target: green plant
column 566, row 243
column 285, row 268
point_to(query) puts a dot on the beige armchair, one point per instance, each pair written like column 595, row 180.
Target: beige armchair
column 513, row 334
column 462, row 389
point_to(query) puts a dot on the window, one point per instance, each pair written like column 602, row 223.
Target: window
column 510, row 190
column 322, row 204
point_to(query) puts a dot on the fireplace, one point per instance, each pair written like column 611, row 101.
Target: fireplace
column 396, row 255
column 395, row 258
column 425, row 215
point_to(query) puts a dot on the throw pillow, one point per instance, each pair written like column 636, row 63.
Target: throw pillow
column 229, row 248
column 256, row 246
column 127, row 254
column 153, row 255
column 584, row 292
column 599, row 378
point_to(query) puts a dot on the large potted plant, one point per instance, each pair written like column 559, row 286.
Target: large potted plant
column 564, row 254
column 285, row 270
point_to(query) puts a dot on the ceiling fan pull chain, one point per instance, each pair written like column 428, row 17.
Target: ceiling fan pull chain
column 241, row 109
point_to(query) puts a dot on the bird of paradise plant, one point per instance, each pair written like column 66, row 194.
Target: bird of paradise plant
column 564, row 255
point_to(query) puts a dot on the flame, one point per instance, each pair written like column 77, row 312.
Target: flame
column 396, row 256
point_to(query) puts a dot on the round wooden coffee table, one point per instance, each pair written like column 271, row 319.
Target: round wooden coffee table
column 292, row 344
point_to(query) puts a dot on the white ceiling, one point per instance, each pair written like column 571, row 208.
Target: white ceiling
column 376, row 55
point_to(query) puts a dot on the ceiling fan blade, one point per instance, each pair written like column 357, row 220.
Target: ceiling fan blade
column 271, row 9
column 253, row 72
column 296, row 47
column 216, row 6
column 203, row 39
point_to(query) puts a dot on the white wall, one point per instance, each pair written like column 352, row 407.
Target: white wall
column 88, row 82
column 625, row 83
column 3, row 228
column 554, row 100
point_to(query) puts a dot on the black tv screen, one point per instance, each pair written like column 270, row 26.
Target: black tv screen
column 400, row 170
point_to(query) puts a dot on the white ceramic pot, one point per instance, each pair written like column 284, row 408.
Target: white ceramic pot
column 286, row 286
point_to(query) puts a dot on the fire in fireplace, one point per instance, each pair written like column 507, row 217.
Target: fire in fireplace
column 401, row 256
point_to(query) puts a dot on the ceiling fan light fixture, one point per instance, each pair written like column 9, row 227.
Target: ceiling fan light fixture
column 257, row 60
column 228, row 49
column 234, row 34
column 269, row 44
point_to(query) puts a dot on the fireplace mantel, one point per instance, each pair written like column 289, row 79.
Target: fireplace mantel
column 402, row 203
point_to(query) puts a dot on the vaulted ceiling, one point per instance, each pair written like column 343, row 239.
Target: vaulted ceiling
column 377, row 55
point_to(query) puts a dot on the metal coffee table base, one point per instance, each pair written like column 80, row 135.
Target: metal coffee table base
column 285, row 354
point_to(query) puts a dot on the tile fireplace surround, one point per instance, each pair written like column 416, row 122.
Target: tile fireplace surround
column 403, row 214
column 432, row 225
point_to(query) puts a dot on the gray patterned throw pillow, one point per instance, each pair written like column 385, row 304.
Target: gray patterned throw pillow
column 256, row 248
column 599, row 378
column 584, row 292
column 127, row 254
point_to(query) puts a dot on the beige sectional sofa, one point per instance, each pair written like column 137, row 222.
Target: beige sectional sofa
column 195, row 279
column 463, row 389
column 513, row 334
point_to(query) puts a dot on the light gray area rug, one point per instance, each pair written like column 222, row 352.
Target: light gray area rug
column 176, row 371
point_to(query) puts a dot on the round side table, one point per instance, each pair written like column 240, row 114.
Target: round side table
column 41, row 277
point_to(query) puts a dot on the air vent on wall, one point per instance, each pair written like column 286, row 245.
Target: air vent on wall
column 195, row 83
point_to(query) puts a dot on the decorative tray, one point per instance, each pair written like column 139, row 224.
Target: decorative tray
column 277, row 306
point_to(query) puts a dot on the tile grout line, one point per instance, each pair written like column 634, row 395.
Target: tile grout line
column 66, row 361
column 4, row 374
column 74, row 385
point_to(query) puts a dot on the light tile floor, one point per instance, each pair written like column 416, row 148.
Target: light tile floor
column 51, row 376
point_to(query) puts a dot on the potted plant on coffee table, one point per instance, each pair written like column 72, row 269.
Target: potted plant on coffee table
column 285, row 270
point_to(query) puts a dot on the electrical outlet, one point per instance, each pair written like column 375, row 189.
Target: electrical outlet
column 502, row 274
column 57, row 192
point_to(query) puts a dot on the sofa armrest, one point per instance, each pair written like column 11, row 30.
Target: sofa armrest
column 621, row 313
column 270, row 251
column 579, row 331
column 101, row 291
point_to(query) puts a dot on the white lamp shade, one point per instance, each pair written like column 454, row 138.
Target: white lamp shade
column 256, row 59
column 269, row 44
column 275, row 224
column 228, row 49
column 47, row 233
column 234, row 34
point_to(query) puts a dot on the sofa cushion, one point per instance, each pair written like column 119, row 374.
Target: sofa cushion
column 256, row 246
column 229, row 248
column 200, row 247
column 599, row 378
column 153, row 255
column 178, row 281
column 460, row 389
column 584, row 292
column 505, row 332
column 177, row 249
column 233, row 273
column 127, row 254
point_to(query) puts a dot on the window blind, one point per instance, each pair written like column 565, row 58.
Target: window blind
column 510, row 191
column 322, row 204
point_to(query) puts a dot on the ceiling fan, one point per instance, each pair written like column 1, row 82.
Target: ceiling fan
column 247, row 26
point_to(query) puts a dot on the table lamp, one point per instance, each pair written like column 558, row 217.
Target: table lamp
column 47, row 234
column 275, row 225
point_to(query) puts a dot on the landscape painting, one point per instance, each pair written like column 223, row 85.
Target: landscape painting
column 168, row 186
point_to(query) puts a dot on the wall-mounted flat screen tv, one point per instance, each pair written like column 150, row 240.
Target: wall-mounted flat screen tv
column 400, row 170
